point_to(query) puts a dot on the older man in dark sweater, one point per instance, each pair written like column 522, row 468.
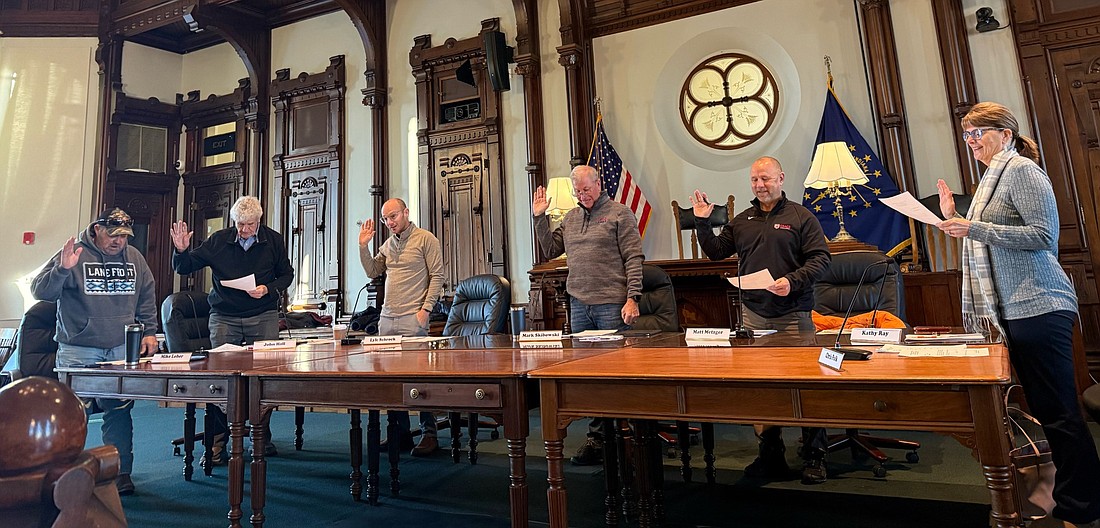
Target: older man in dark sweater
column 238, row 316
column 605, row 267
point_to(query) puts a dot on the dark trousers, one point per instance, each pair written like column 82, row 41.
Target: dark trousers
column 1041, row 350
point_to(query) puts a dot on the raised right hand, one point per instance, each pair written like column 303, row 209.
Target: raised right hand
column 700, row 205
column 947, row 199
column 366, row 232
column 181, row 237
column 69, row 256
column 539, row 203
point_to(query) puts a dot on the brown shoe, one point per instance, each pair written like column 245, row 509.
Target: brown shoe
column 427, row 446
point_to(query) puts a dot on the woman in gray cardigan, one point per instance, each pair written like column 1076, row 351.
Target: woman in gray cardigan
column 1012, row 281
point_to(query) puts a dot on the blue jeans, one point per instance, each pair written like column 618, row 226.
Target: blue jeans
column 595, row 316
column 118, row 425
column 407, row 325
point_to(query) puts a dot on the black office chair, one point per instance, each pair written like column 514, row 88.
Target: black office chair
column 480, row 306
column 185, row 318
column 833, row 294
column 1091, row 399
column 34, row 343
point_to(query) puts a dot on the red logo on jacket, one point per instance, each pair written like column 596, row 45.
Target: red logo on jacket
column 783, row 226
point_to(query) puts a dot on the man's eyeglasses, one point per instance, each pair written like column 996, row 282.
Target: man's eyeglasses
column 977, row 133
column 589, row 191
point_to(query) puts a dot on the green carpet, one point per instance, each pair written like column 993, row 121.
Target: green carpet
column 310, row 487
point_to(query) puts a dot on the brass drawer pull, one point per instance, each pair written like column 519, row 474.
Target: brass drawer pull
column 214, row 389
column 414, row 393
column 479, row 394
column 880, row 406
column 176, row 388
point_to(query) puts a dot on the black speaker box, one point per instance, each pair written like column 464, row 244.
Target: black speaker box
column 497, row 57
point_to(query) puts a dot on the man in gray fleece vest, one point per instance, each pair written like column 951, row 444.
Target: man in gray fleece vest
column 101, row 284
column 605, row 267
column 412, row 260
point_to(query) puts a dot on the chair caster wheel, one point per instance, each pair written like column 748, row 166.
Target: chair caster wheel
column 912, row 457
column 878, row 471
column 176, row 451
column 494, row 434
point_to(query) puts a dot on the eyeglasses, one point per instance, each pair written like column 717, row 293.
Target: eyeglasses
column 118, row 219
column 977, row 133
column 589, row 191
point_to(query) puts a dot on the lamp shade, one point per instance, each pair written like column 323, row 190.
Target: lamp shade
column 834, row 166
column 559, row 191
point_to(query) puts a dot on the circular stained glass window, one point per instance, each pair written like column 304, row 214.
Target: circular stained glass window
column 729, row 101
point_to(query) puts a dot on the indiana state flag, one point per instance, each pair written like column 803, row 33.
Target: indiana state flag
column 616, row 180
column 865, row 217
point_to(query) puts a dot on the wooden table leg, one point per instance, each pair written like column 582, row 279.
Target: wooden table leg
column 553, row 436
column 516, row 430
column 208, row 442
column 299, row 421
column 355, row 448
column 259, row 465
column 707, row 432
column 374, row 438
column 642, row 475
column 393, row 447
column 992, row 446
column 613, row 504
column 683, row 442
column 471, row 429
column 454, row 421
column 238, row 408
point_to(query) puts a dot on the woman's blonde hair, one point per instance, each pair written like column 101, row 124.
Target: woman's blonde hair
column 996, row 115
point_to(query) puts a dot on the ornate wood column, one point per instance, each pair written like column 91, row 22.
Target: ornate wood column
column 878, row 30
column 575, row 54
column 528, row 65
column 108, row 56
column 958, row 74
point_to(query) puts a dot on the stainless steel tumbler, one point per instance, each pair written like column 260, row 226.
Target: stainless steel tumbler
column 133, row 343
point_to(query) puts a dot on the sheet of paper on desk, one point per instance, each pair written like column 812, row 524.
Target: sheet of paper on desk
column 590, row 333
column 228, row 347
column 905, row 204
column 761, row 333
column 592, row 338
column 759, row 280
column 944, row 338
column 935, row 351
column 246, row 283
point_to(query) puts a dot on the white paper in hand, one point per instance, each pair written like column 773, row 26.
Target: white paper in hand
column 246, row 283
column 759, row 280
column 905, row 204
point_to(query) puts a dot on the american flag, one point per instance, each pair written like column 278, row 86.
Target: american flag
column 616, row 180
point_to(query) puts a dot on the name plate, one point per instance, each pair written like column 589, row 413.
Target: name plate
column 172, row 357
column 382, row 340
column 711, row 334
column 831, row 358
column 540, row 335
column 876, row 335
column 274, row 344
column 540, row 344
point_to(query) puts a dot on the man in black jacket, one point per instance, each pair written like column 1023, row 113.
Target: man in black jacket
column 786, row 239
column 247, row 249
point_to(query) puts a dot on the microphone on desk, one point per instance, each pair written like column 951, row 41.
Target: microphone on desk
column 742, row 331
column 878, row 300
column 851, row 353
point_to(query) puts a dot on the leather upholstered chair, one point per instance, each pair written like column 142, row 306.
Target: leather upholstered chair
column 685, row 221
column 658, row 304
column 480, row 306
column 833, row 294
column 34, row 344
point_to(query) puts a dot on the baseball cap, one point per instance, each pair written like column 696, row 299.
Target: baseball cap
column 116, row 221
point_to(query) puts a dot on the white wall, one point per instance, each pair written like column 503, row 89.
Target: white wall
column 212, row 71
column 639, row 75
column 150, row 72
column 48, row 104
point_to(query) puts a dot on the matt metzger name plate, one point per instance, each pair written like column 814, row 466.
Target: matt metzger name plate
column 711, row 334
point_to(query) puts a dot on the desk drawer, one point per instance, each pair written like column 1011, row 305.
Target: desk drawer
column 452, row 395
column 886, row 405
column 186, row 388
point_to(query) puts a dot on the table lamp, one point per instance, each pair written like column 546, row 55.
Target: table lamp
column 559, row 191
column 835, row 170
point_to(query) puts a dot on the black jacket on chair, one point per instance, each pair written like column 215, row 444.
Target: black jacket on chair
column 480, row 306
column 36, row 347
column 834, row 291
column 658, row 303
column 185, row 318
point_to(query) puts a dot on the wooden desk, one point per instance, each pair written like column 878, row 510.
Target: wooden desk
column 482, row 374
column 960, row 396
column 215, row 380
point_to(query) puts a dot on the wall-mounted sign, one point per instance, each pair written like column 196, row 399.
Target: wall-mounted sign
column 219, row 144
